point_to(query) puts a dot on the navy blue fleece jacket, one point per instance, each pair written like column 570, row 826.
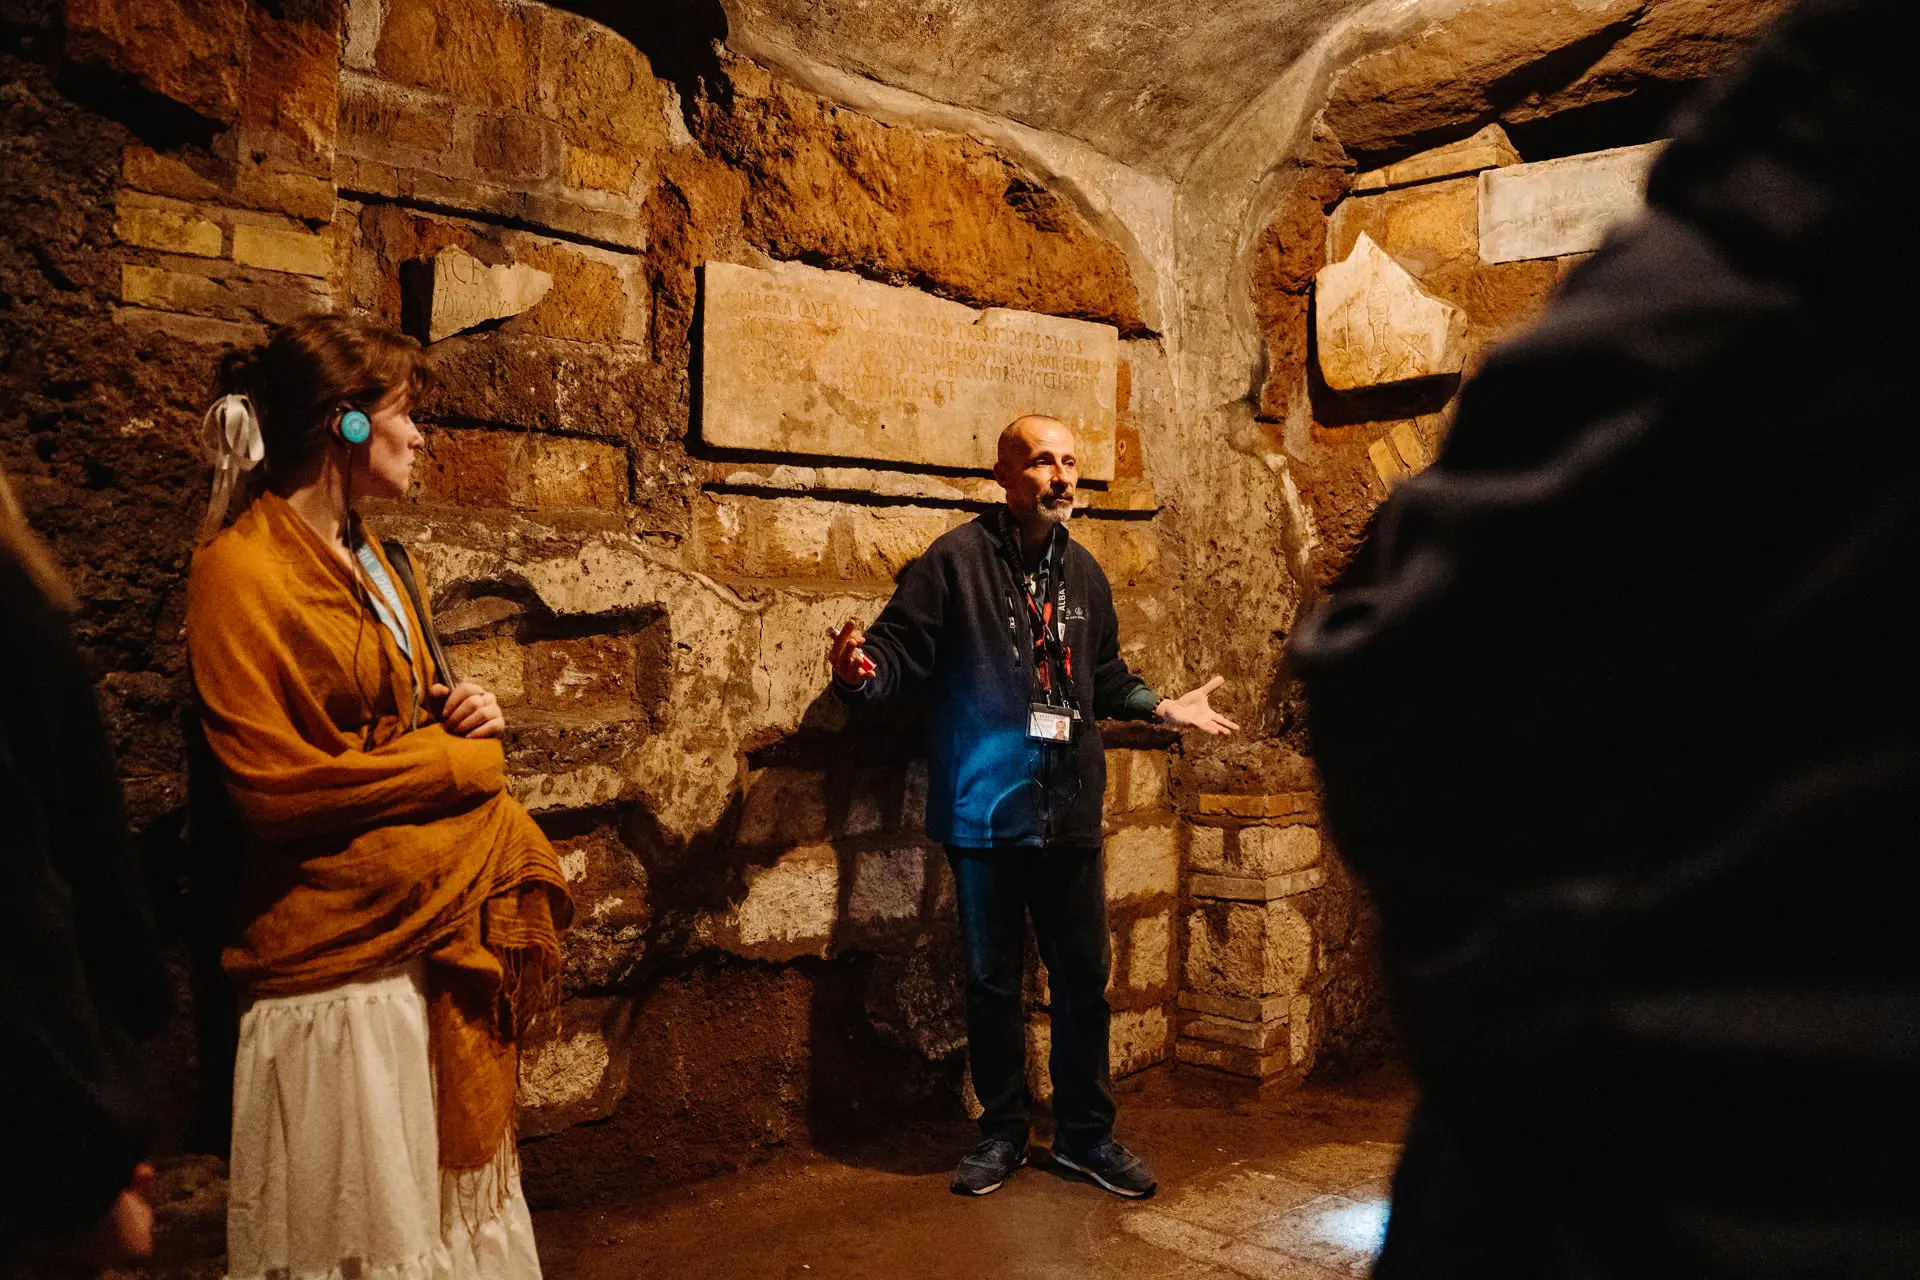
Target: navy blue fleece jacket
column 957, row 624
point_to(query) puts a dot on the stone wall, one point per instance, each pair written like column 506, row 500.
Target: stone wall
column 753, row 885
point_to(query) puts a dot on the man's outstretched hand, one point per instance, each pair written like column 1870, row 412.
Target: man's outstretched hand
column 1191, row 710
column 849, row 662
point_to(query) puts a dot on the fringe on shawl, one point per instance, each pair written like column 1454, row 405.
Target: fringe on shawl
column 478, row 1196
column 523, row 940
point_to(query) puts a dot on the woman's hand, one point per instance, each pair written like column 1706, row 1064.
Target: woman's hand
column 470, row 711
column 126, row 1233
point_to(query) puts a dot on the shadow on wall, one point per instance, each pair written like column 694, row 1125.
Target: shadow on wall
column 796, row 983
column 681, row 40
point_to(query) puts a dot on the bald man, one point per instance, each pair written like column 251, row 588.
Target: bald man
column 1009, row 624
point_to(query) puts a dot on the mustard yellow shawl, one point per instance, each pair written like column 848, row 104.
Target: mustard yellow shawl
column 371, row 843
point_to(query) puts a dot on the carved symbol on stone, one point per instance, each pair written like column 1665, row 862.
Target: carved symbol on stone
column 1375, row 325
column 462, row 291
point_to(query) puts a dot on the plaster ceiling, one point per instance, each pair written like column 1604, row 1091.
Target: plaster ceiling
column 1148, row 82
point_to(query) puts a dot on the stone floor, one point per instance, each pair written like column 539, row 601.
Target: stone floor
column 1290, row 1186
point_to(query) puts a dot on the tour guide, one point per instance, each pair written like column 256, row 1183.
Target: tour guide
column 1011, row 624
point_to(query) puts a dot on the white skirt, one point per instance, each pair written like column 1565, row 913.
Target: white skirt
column 335, row 1172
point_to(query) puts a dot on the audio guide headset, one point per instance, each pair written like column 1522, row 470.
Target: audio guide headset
column 355, row 427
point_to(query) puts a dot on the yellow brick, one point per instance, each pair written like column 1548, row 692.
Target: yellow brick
column 166, row 290
column 497, row 664
column 295, row 252
column 190, row 328
column 1285, row 804
column 170, row 230
column 238, row 300
column 291, row 193
column 1386, row 463
column 551, row 472
column 1126, row 549
column 1411, row 448
column 148, row 170
column 599, row 170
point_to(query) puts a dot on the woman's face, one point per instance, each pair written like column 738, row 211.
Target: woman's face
column 391, row 447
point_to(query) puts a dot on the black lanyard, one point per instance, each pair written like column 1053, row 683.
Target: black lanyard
column 1046, row 614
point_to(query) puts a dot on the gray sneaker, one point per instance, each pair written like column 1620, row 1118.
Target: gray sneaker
column 988, row 1165
column 1112, row 1166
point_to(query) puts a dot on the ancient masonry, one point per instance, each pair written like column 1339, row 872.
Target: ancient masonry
column 691, row 414
column 1406, row 276
column 639, row 526
column 1457, row 214
column 1246, row 1005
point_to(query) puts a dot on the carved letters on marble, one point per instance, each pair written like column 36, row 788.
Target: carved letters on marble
column 466, row 292
column 803, row 361
column 1375, row 325
column 1557, row 207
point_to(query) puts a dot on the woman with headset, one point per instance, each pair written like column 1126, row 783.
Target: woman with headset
column 398, row 912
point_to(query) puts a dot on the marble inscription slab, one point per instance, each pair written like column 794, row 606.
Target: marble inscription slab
column 1375, row 325
column 799, row 360
column 467, row 292
column 1561, row 206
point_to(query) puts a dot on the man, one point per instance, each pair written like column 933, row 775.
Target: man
column 1011, row 625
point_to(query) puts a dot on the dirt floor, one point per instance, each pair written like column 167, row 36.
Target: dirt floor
column 1287, row 1186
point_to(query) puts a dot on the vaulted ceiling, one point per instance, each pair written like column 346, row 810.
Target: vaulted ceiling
column 1148, row 82
column 1152, row 83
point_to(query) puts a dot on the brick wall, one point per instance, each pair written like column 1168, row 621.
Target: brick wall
column 1253, row 963
column 651, row 611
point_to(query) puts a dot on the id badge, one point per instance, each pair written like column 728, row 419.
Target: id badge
column 1049, row 724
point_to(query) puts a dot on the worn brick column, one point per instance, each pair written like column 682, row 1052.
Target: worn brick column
column 1246, row 1003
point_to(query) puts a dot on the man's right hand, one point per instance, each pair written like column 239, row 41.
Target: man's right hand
column 119, row 1237
column 850, row 663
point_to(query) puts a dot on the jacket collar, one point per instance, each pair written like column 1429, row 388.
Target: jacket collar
column 1007, row 533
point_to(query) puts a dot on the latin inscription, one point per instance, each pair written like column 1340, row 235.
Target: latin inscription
column 1558, row 207
column 467, row 292
column 798, row 360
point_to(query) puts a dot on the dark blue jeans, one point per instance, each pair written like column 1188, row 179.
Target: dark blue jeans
column 1065, row 892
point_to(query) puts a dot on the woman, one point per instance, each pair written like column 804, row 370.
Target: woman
column 80, row 977
column 398, row 914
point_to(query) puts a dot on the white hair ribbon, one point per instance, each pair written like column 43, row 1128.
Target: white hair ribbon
column 230, row 439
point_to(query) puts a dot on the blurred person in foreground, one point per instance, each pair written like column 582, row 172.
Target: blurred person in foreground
column 81, row 983
column 1619, row 719
column 398, row 913
column 1010, row 624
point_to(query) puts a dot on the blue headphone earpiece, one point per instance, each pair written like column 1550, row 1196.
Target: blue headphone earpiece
column 355, row 427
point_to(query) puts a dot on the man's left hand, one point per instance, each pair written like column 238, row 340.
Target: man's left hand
column 470, row 711
column 1191, row 710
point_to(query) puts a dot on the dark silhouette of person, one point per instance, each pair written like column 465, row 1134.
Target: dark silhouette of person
column 81, row 983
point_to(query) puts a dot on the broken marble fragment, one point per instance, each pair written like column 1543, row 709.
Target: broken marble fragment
column 1375, row 325
column 465, row 292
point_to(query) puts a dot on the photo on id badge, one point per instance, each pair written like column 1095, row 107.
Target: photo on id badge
column 1049, row 724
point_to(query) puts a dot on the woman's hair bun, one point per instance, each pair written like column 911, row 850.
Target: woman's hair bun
column 237, row 370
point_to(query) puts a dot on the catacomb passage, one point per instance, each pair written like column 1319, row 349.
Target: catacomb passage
column 727, row 305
